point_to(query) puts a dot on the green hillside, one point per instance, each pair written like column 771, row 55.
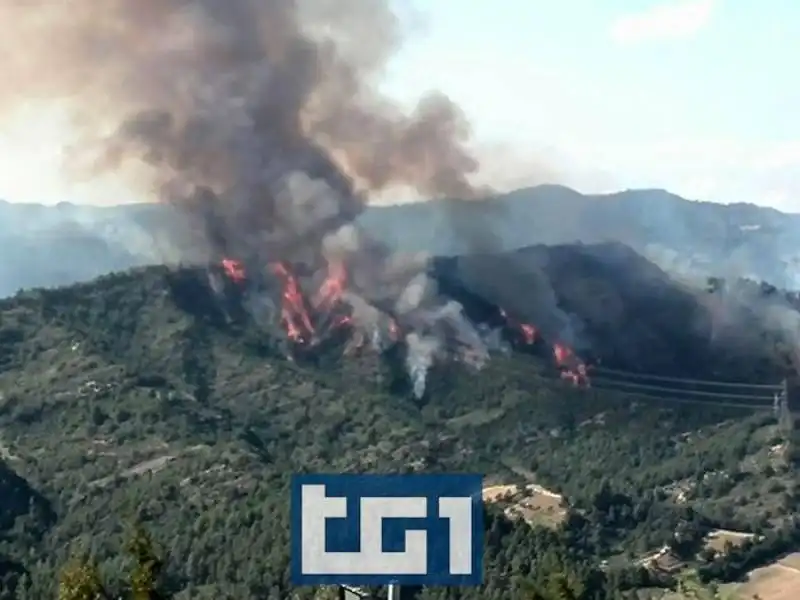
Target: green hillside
column 143, row 397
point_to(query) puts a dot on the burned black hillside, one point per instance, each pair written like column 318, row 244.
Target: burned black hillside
column 617, row 309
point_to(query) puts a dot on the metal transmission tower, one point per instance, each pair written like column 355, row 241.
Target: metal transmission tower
column 346, row 592
column 786, row 422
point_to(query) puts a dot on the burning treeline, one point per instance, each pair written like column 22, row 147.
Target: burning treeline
column 262, row 121
column 310, row 319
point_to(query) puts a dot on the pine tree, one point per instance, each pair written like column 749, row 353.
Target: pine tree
column 691, row 588
column 148, row 566
column 80, row 580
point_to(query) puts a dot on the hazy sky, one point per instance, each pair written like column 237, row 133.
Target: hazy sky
column 697, row 96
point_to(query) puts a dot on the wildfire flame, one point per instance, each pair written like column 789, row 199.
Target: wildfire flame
column 526, row 330
column 571, row 367
column 394, row 330
column 234, row 270
column 331, row 290
column 296, row 314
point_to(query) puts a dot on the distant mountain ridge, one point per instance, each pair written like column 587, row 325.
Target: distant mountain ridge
column 57, row 245
column 682, row 236
column 45, row 246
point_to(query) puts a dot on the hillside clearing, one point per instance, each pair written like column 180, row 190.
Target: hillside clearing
column 778, row 581
column 533, row 503
column 718, row 539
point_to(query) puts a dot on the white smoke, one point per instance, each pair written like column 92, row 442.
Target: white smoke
column 421, row 353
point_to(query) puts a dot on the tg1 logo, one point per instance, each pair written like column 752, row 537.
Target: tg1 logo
column 381, row 529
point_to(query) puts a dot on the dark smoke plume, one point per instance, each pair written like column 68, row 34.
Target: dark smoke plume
column 262, row 121
column 264, row 112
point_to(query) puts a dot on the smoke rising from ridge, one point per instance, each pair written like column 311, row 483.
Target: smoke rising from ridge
column 228, row 95
column 262, row 121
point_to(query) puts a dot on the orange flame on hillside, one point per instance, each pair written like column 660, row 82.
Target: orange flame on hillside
column 574, row 369
column 571, row 367
column 296, row 314
column 234, row 270
column 394, row 330
column 526, row 330
column 331, row 290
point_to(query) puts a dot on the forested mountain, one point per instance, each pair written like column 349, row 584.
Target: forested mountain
column 66, row 243
column 682, row 236
column 47, row 246
column 155, row 397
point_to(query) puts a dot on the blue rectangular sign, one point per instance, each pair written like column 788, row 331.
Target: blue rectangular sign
column 380, row 529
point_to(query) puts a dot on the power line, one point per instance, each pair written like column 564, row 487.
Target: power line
column 666, row 399
column 610, row 373
column 658, row 388
column 776, row 388
column 677, row 395
column 670, row 396
column 674, row 400
column 706, row 382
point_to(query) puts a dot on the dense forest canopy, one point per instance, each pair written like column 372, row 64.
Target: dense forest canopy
column 153, row 397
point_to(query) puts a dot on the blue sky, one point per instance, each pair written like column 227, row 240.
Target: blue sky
column 697, row 96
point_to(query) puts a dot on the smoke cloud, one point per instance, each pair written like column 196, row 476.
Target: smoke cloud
column 236, row 98
column 264, row 112
column 261, row 120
